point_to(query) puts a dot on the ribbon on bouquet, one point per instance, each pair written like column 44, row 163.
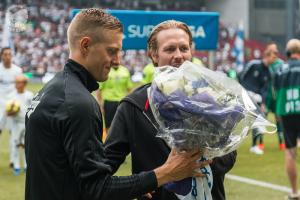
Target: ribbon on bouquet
column 193, row 188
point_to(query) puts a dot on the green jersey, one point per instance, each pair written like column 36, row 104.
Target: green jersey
column 287, row 89
column 270, row 99
column 197, row 61
column 117, row 85
column 275, row 66
column 148, row 73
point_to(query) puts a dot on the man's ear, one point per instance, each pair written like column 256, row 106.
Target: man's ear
column 154, row 57
column 85, row 43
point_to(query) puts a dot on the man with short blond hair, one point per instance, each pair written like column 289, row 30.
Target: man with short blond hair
column 287, row 91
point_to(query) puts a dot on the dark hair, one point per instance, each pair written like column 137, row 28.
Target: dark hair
column 3, row 49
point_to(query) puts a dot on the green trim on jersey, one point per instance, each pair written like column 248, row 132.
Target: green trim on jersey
column 275, row 66
column 117, row 85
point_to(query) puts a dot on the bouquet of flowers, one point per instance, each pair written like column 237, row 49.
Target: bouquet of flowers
column 197, row 108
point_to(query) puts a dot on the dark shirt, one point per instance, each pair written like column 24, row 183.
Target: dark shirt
column 256, row 78
column 63, row 144
column 134, row 130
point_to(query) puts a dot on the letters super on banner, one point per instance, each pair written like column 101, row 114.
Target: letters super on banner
column 138, row 24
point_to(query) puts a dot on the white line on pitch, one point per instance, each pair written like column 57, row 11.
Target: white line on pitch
column 258, row 183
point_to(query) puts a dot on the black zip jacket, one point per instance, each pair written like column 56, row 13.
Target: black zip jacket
column 256, row 77
column 134, row 130
column 63, row 148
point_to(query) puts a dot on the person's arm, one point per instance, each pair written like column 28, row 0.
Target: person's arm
column 82, row 144
column 117, row 144
column 265, row 87
column 264, row 91
column 222, row 165
column 177, row 167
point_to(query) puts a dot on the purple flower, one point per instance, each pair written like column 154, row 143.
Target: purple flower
column 182, row 187
column 197, row 120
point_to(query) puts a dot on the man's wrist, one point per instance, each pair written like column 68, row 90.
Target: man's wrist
column 162, row 175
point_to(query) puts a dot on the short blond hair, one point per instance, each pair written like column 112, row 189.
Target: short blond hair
column 293, row 46
column 88, row 22
column 169, row 24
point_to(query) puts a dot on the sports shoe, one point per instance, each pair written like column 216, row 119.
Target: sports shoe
column 11, row 165
column 261, row 146
column 293, row 197
column 282, row 146
column 17, row 171
column 256, row 150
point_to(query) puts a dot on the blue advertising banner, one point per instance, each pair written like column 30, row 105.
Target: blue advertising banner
column 138, row 24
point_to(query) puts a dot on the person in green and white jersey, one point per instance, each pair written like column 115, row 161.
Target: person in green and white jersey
column 271, row 100
column 287, row 91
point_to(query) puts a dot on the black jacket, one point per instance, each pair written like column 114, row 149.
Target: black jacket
column 63, row 148
column 256, row 77
column 134, row 129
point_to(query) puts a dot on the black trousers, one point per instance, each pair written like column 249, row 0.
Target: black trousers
column 110, row 108
column 291, row 130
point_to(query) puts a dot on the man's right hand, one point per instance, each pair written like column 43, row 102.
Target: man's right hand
column 179, row 166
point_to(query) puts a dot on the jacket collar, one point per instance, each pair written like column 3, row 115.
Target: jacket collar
column 139, row 96
column 139, row 99
column 294, row 62
column 85, row 77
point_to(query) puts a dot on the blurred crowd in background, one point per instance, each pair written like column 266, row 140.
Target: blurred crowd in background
column 42, row 47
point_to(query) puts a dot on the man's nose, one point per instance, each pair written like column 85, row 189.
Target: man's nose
column 116, row 60
column 178, row 54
